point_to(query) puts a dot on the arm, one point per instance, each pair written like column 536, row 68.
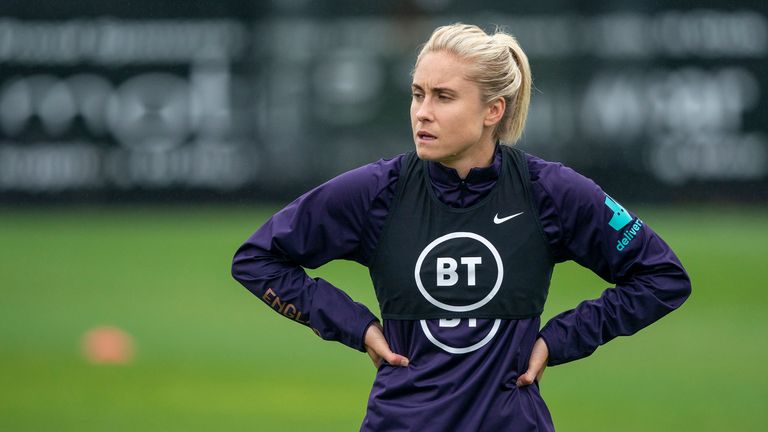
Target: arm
column 326, row 223
column 587, row 226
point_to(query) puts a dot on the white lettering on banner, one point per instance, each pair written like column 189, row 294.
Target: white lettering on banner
column 446, row 271
column 114, row 42
column 153, row 111
column 60, row 166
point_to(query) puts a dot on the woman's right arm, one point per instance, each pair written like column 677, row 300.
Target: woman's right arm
column 329, row 222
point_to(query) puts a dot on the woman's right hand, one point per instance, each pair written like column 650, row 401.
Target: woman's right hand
column 378, row 347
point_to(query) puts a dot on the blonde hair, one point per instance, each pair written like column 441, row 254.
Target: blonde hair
column 497, row 64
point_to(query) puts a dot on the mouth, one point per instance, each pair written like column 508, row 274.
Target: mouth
column 425, row 136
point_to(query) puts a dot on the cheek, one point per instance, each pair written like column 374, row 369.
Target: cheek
column 467, row 120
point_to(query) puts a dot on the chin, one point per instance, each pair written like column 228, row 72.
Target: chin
column 426, row 153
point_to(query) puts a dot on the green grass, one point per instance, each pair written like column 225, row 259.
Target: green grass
column 210, row 356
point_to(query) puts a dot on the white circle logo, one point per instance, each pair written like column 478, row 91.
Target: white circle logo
column 471, row 262
column 446, row 346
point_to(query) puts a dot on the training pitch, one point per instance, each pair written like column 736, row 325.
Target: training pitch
column 208, row 355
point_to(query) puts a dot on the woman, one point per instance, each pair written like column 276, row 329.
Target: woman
column 460, row 237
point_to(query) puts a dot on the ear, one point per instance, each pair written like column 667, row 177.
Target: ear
column 495, row 111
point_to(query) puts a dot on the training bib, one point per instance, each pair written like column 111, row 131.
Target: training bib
column 490, row 260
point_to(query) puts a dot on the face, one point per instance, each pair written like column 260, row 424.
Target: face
column 450, row 122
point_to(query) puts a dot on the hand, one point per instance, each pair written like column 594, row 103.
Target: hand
column 378, row 348
column 536, row 364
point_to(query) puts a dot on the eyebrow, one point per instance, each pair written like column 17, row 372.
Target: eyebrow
column 435, row 89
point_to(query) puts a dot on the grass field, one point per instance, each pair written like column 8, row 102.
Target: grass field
column 210, row 356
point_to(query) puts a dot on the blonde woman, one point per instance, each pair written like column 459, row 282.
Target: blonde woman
column 461, row 236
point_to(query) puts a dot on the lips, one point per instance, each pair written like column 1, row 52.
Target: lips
column 424, row 135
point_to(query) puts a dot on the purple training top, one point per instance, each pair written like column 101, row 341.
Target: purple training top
column 462, row 373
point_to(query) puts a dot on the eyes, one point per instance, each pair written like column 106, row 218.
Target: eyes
column 443, row 97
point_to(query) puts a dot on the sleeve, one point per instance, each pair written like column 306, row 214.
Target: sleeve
column 324, row 224
column 588, row 226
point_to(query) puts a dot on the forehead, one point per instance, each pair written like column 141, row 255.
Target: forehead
column 438, row 69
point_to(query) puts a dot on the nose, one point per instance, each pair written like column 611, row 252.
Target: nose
column 424, row 110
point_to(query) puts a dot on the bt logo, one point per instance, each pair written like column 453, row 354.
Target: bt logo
column 438, row 276
column 459, row 272
column 446, row 270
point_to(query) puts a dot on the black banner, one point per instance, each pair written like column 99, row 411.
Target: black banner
column 103, row 103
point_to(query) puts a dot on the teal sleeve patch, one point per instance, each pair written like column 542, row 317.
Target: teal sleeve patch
column 621, row 216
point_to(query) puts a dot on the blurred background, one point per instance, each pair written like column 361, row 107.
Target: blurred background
column 142, row 142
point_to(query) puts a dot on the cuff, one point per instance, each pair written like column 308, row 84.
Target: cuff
column 335, row 316
column 554, row 357
column 362, row 336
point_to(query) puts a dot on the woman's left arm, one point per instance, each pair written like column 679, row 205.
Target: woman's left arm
column 590, row 227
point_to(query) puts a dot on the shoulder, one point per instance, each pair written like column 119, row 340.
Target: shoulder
column 551, row 173
column 354, row 191
column 566, row 187
column 341, row 204
column 568, row 202
column 365, row 181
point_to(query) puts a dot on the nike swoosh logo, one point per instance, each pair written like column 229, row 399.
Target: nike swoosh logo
column 497, row 221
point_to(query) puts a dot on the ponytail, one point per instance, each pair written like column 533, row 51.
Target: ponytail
column 518, row 95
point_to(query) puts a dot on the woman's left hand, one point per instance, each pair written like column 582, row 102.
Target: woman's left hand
column 536, row 364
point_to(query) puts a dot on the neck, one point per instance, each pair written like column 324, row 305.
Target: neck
column 481, row 157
